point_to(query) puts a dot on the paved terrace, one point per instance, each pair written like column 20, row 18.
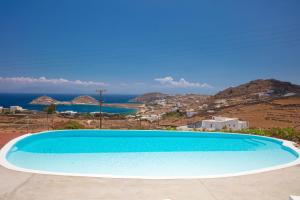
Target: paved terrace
column 274, row 185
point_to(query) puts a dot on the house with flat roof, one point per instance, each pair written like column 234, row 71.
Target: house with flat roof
column 218, row 123
column 13, row 109
column 151, row 118
column 191, row 113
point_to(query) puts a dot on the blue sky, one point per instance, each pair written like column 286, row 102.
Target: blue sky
column 142, row 46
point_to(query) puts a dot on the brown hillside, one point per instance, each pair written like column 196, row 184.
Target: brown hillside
column 271, row 87
column 149, row 97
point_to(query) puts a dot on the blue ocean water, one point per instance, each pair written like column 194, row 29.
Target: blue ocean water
column 23, row 100
column 148, row 153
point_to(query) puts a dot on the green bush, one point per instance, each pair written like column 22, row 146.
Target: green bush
column 170, row 128
column 50, row 109
column 174, row 114
column 73, row 125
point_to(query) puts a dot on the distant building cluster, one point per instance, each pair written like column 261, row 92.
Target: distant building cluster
column 187, row 104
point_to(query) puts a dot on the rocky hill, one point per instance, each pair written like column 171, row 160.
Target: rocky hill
column 261, row 87
column 84, row 100
column 149, row 97
column 44, row 100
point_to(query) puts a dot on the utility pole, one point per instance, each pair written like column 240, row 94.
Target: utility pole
column 138, row 117
column 27, row 117
column 100, row 91
column 140, row 122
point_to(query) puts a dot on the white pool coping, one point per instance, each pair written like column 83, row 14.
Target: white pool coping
column 5, row 163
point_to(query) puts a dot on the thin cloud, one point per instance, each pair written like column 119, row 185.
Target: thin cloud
column 181, row 83
column 44, row 80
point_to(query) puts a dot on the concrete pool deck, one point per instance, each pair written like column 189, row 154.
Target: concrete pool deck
column 273, row 185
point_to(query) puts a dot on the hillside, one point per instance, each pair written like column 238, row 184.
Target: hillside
column 149, row 97
column 260, row 88
column 263, row 103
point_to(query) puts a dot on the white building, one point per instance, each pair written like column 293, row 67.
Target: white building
column 69, row 112
column 151, row 118
column 178, row 104
column 218, row 123
column 191, row 113
column 203, row 107
column 161, row 102
column 13, row 109
column 1, row 109
column 174, row 109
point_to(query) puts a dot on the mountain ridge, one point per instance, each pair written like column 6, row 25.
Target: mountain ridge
column 269, row 87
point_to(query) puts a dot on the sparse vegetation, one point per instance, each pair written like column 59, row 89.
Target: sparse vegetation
column 50, row 109
column 170, row 128
column 89, row 115
column 174, row 114
column 72, row 125
column 282, row 133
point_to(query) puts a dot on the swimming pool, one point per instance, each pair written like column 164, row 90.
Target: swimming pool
column 146, row 154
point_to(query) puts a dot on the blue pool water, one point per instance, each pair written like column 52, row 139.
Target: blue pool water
column 147, row 153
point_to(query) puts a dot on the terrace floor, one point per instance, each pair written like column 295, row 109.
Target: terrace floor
column 274, row 185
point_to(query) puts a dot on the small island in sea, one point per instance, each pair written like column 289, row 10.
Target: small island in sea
column 85, row 100
column 46, row 100
column 81, row 100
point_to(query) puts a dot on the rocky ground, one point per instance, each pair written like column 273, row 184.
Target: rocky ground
column 279, row 113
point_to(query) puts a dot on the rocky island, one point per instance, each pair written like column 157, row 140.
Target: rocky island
column 44, row 100
column 85, row 100
column 81, row 100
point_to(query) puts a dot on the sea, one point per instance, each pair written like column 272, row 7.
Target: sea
column 23, row 100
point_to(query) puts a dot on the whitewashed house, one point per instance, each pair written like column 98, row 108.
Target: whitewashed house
column 174, row 109
column 151, row 118
column 1, row 109
column 69, row 112
column 203, row 107
column 178, row 104
column 161, row 102
column 13, row 109
column 218, row 123
column 191, row 113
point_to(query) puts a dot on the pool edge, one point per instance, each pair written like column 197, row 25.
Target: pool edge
column 5, row 163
